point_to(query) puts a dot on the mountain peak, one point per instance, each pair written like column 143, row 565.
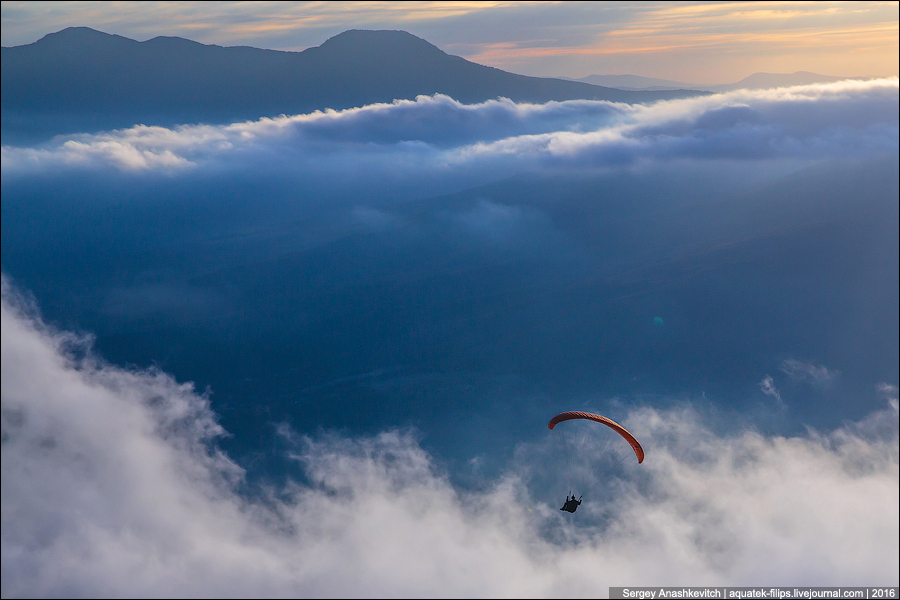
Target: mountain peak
column 378, row 40
column 81, row 36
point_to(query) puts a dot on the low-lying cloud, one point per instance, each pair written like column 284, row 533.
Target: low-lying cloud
column 437, row 134
column 112, row 486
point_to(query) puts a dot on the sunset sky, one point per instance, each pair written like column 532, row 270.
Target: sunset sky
column 695, row 42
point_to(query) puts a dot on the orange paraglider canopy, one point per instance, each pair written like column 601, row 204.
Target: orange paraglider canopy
column 574, row 414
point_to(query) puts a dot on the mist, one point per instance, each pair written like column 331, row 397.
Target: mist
column 316, row 355
column 113, row 485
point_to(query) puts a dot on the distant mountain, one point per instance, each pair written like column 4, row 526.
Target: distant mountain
column 773, row 80
column 636, row 82
column 755, row 81
column 80, row 79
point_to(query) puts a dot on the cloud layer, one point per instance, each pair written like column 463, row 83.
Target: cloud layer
column 111, row 486
column 440, row 136
column 112, row 483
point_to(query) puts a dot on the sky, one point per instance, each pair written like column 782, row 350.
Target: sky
column 694, row 42
column 315, row 355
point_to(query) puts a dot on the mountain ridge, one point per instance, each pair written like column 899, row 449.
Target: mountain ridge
column 81, row 79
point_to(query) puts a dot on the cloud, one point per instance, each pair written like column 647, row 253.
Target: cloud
column 502, row 226
column 179, row 302
column 887, row 388
column 112, row 486
column 799, row 370
column 888, row 391
column 405, row 126
column 438, row 136
column 767, row 385
column 374, row 219
column 802, row 121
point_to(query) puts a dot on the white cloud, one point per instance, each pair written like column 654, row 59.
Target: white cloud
column 889, row 392
column 767, row 385
column 110, row 488
column 799, row 370
column 887, row 388
column 434, row 134
column 805, row 121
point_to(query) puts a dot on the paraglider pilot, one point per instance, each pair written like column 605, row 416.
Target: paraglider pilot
column 571, row 504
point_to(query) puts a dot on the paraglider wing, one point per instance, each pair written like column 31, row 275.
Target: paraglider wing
column 574, row 414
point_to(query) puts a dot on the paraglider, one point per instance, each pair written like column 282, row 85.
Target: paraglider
column 574, row 414
column 571, row 504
